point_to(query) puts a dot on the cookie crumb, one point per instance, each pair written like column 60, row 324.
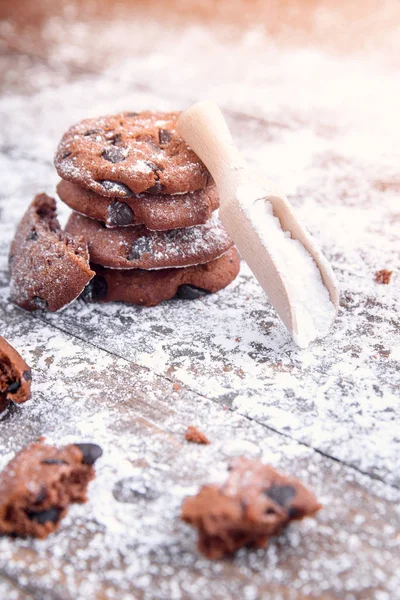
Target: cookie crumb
column 383, row 276
column 194, row 435
column 176, row 387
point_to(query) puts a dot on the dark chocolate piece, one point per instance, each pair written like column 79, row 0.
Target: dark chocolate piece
column 119, row 214
column 190, row 292
column 90, row 452
column 114, row 154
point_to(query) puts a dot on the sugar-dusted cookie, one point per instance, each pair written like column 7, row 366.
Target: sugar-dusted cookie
column 49, row 268
column 130, row 153
column 155, row 211
column 149, row 288
column 140, row 248
column 39, row 484
column 15, row 376
column 253, row 504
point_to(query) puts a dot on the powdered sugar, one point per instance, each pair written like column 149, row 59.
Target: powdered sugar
column 313, row 311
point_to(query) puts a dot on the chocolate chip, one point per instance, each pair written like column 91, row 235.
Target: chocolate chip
column 164, row 136
column 91, row 452
column 115, row 187
column 39, row 303
column 281, row 494
column 119, row 214
column 27, row 375
column 270, row 511
column 155, row 168
column 131, row 114
column 41, row 496
column 95, row 290
column 293, row 513
column 14, row 387
column 113, row 154
column 91, row 132
column 157, row 188
column 190, row 292
column 66, row 155
column 32, row 236
column 44, row 516
column 140, row 247
column 53, row 461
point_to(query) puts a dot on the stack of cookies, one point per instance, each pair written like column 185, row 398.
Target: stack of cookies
column 144, row 204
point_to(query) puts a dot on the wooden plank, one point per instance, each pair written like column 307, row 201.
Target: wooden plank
column 128, row 539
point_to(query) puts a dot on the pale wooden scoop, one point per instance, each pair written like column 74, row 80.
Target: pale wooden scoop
column 307, row 307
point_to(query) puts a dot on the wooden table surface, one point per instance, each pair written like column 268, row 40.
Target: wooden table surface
column 324, row 124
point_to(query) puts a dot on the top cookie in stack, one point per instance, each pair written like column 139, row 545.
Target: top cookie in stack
column 131, row 169
column 146, row 205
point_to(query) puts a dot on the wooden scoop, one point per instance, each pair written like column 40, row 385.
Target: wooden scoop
column 277, row 262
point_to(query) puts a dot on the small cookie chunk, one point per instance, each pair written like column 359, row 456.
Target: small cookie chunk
column 384, row 276
column 194, row 435
column 130, row 153
column 148, row 288
column 40, row 482
column 156, row 212
column 15, row 376
column 254, row 503
column 140, row 248
column 49, row 268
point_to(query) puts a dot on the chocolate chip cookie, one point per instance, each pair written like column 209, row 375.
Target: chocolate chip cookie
column 156, row 211
column 130, row 153
column 140, row 248
column 39, row 484
column 49, row 268
column 148, row 288
column 254, row 503
column 15, row 376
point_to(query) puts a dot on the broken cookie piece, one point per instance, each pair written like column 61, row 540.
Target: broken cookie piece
column 253, row 504
column 38, row 485
column 15, row 376
column 383, row 276
column 49, row 268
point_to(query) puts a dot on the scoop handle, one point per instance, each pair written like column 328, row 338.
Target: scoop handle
column 204, row 128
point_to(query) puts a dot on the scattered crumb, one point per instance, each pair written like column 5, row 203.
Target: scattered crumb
column 194, row 435
column 383, row 276
column 176, row 387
